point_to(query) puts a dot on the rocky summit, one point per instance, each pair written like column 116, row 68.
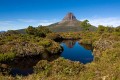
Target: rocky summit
column 69, row 17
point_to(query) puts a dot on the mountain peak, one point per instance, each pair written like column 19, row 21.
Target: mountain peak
column 68, row 24
column 69, row 17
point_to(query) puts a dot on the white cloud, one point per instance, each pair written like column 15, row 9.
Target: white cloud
column 110, row 21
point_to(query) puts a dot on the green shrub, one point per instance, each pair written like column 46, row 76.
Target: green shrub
column 7, row 56
column 54, row 36
column 38, row 31
column 45, row 43
column 111, row 55
column 43, row 67
column 59, row 67
column 54, row 48
column 66, row 67
column 85, row 41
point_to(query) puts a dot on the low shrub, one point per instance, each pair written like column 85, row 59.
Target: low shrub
column 54, row 36
column 7, row 56
column 59, row 67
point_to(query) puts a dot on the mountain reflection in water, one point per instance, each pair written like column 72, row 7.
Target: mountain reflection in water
column 74, row 51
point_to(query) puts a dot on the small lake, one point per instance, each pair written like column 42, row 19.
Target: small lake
column 74, row 51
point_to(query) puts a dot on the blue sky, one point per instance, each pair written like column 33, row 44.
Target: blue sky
column 18, row 14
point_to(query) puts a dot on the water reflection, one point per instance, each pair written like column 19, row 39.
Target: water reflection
column 87, row 46
column 77, row 52
column 69, row 43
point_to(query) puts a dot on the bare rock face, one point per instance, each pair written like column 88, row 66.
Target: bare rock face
column 69, row 17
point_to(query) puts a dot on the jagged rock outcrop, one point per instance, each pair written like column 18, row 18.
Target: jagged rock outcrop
column 69, row 20
column 69, row 17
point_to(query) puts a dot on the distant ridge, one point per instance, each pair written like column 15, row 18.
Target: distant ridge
column 21, row 31
column 2, row 31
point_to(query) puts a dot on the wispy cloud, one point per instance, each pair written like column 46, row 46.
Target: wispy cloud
column 110, row 21
column 38, row 22
column 23, row 23
column 5, row 25
column 12, row 25
column 47, row 22
column 5, row 22
column 27, row 20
